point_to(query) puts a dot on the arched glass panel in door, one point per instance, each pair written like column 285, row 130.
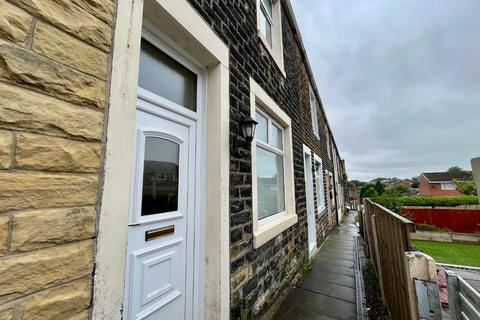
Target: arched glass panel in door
column 160, row 176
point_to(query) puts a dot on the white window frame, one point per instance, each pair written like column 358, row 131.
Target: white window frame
column 448, row 186
column 269, row 18
column 269, row 227
column 267, row 147
column 329, row 143
column 314, row 112
column 276, row 50
column 319, row 181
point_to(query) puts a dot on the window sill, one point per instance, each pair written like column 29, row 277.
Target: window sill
column 272, row 54
column 322, row 211
column 270, row 230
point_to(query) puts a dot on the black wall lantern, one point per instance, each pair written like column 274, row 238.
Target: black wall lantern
column 248, row 128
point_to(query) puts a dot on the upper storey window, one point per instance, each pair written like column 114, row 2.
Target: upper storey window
column 266, row 21
column 313, row 110
column 269, row 25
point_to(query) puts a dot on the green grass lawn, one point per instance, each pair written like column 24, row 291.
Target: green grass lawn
column 454, row 253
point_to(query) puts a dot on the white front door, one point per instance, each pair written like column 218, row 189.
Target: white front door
column 311, row 223
column 160, row 270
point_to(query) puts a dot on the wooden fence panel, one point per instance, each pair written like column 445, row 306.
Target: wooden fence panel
column 392, row 234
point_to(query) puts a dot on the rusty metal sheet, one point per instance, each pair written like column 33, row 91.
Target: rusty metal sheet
column 428, row 300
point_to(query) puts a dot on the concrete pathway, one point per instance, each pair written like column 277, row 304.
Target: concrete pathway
column 328, row 290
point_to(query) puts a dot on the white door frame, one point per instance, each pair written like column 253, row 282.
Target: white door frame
column 310, row 202
column 159, row 106
column 179, row 21
column 320, row 196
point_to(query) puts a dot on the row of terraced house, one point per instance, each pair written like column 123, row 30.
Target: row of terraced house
column 159, row 159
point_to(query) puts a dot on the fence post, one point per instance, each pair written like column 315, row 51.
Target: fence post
column 360, row 222
column 476, row 173
column 453, row 295
column 421, row 274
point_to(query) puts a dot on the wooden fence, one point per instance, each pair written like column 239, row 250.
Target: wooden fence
column 387, row 237
column 463, row 299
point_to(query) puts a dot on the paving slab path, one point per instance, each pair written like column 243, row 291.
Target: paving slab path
column 328, row 290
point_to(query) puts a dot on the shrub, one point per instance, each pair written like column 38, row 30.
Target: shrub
column 368, row 191
column 466, row 187
column 438, row 201
column 394, row 202
column 426, row 227
column 430, row 227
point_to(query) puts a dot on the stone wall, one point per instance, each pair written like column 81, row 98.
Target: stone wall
column 54, row 66
column 258, row 275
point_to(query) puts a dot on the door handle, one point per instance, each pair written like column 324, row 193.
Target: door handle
column 160, row 232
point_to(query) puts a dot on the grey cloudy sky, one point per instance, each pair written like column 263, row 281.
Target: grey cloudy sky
column 400, row 81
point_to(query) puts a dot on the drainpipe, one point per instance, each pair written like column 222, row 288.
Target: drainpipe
column 476, row 172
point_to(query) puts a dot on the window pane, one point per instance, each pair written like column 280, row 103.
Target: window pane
column 266, row 29
column 319, row 184
column 268, row 34
column 277, row 138
column 160, row 176
column 162, row 75
column 262, row 128
column 268, row 5
column 270, row 184
column 313, row 109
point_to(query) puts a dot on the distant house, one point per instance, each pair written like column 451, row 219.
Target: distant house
column 398, row 182
column 441, row 183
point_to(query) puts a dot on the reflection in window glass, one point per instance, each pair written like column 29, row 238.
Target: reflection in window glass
column 277, row 137
column 313, row 109
column 319, row 187
column 261, row 131
column 160, row 176
column 268, row 5
column 270, row 183
column 266, row 21
column 162, row 75
column 268, row 33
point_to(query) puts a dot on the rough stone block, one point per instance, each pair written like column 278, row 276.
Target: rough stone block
column 14, row 23
column 25, row 68
column 71, row 18
column 22, row 108
column 57, row 303
column 80, row 316
column 61, row 47
column 6, row 314
column 102, row 9
column 22, row 190
column 5, row 149
column 37, row 152
column 24, row 274
column 240, row 277
column 44, row 228
column 4, row 231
